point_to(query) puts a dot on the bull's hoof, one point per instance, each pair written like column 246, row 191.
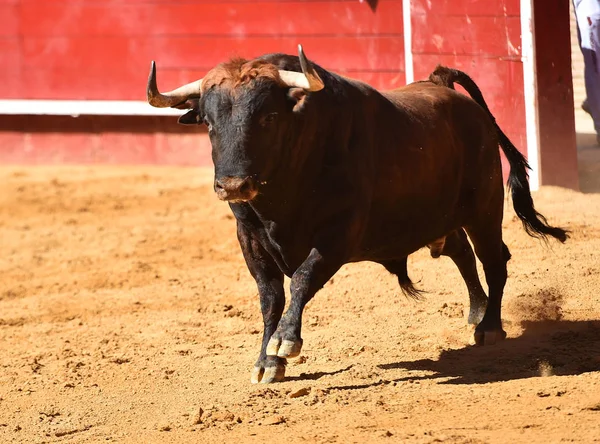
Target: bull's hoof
column 476, row 314
column 489, row 337
column 268, row 370
column 284, row 348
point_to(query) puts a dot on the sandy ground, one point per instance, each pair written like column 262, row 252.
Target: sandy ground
column 128, row 315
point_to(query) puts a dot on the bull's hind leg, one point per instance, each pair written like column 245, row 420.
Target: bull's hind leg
column 269, row 280
column 458, row 248
column 486, row 236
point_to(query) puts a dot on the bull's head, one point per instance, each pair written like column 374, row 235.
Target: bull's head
column 248, row 107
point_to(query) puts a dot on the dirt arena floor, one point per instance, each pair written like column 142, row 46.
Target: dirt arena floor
column 127, row 314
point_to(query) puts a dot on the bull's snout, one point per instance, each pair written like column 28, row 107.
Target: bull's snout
column 236, row 188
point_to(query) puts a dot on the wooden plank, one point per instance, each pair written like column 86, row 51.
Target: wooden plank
column 495, row 8
column 134, row 54
column 12, row 147
column 10, row 74
column 77, row 68
column 212, row 19
column 479, row 35
column 9, row 20
column 558, row 150
column 48, row 140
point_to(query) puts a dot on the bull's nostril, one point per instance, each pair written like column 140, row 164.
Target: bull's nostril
column 235, row 188
column 246, row 187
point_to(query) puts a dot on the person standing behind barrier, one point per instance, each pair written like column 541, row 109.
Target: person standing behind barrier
column 587, row 15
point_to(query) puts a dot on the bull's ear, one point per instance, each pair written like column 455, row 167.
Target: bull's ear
column 298, row 95
column 190, row 118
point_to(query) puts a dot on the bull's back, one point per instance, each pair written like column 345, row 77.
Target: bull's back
column 434, row 138
column 432, row 154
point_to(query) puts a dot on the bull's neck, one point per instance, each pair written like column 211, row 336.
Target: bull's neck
column 312, row 150
column 285, row 193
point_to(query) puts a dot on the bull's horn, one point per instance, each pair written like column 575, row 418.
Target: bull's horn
column 171, row 98
column 308, row 79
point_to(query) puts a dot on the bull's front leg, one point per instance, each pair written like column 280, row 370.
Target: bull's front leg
column 315, row 271
column 269, row 280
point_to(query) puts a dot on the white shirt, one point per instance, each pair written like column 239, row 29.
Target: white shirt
column 586, row 11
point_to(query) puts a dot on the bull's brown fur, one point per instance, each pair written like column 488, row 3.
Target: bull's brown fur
column 350, row 174
column 237, row 72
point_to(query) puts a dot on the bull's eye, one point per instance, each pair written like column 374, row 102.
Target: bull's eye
column 268, row 119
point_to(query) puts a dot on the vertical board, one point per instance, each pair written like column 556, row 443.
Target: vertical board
column 482, row 38
column 558, row 151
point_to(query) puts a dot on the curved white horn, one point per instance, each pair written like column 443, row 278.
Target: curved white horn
column 171, row 98
column 308, row 79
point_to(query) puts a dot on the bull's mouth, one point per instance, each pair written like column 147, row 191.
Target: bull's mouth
column 236, row 189
column 236, row 200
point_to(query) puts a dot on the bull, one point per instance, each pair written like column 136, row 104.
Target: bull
column 321, row 170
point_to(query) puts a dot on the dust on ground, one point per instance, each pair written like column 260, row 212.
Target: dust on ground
column 127, row 314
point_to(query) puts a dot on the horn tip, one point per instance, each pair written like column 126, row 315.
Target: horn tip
column 151, row 88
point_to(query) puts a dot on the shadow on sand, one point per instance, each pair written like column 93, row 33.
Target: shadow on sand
column 545, row 348
column 316, row 375
column 588, row 160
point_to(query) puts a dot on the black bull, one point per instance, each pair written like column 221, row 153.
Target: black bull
column 321, row 170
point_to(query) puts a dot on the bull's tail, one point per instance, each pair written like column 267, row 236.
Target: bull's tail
column 534, row 223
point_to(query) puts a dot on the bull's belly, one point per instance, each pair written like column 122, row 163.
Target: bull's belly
column 394, row 248
column 398, row 239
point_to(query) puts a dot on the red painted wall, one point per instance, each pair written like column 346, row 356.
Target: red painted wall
column 482, row 38
column 92, row 49
column 110, row 140
column 100, row 49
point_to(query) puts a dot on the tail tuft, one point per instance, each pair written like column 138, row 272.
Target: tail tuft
column 534, row 223
column 410, row 291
